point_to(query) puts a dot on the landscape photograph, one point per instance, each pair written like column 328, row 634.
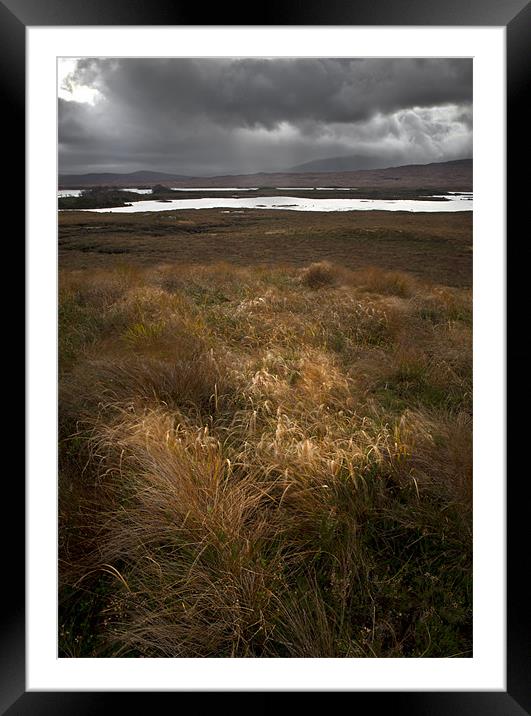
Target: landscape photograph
column 265, row 357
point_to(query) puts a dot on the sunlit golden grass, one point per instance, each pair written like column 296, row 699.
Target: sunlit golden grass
column 264, row 463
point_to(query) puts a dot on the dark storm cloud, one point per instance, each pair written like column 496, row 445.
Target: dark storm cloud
column 210, row 116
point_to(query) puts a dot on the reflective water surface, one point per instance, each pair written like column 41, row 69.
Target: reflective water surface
column 456, row 202
column 68, row 192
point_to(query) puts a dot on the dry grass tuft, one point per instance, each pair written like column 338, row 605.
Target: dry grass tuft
column 318, row 275
column 248, row 472
column 392, row 283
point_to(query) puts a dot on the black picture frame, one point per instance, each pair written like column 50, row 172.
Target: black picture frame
column 515, row 16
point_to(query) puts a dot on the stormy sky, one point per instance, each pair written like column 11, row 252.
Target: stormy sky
column 226, row 116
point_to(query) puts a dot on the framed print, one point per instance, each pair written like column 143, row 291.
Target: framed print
column 264, row 260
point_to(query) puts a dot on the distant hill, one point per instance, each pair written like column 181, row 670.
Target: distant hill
column 116, row 179
column 446, row 176
column 355, row 162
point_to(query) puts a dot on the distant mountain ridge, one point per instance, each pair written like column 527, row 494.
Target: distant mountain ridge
column 353, row 163
column 117, row 178
column 455, row 175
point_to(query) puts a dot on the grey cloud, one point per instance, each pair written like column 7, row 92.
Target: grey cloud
column 221, row 116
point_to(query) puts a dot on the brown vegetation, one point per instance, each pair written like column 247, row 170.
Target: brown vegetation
column 263, row 462
column 433, row 246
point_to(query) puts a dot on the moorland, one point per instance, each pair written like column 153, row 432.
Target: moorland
column 265, row 434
